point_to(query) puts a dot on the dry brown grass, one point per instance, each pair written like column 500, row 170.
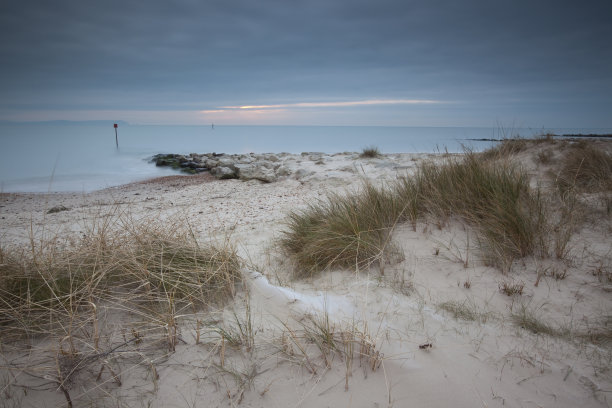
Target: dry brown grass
column 332, row 341
column 586, row 169
column 116, row 257
column 62, row 297
column 511, row 288
column 510, row 146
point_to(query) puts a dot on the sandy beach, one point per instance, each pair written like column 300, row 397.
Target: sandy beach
column 432, row 328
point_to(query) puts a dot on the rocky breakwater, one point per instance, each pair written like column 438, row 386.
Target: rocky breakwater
column 264, row 167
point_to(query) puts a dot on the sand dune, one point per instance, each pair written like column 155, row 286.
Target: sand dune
column 433, row 331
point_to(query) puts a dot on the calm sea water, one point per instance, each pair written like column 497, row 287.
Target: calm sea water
column 83, row 157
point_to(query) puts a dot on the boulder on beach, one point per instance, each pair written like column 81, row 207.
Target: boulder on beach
column 257, row 171
column 223, row 173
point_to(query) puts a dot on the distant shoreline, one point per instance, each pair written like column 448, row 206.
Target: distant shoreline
column 565, row 135
column 607, row 135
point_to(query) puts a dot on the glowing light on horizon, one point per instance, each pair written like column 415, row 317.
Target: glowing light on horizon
column 370, row 102
column 301, row 112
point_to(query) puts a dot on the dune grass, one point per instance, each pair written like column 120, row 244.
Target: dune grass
column 528, row 319
column 506, row 148
column 122, row 260
column 354, row 230
column 495, row 199
column 370, row 152
column 586, row 169
column 486, row 191
column 66, row 298
column 345, row 231
column 465, row 310
column 513, row 145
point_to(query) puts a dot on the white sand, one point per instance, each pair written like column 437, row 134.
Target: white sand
column 489, row 362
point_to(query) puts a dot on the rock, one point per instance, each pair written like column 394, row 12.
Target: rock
column 190, row 164
column 264, row 167
column 256, row 172
column 176, row 161
column 245, row 159
column 223, row 173
column 268, row 165
column 211, row 163
column 302, row 173
column 283, row 171
column 227, row 161
column 57, row 209
column 165, row 160
column 243, row 167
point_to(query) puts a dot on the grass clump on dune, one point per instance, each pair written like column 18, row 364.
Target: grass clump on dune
column 122, row 261
column 123, row 287
column 528, row 319
column 486, row 191
column 585, row 168
column 494, row 198
column 513, row 145
column 370, row 152
column 342, row 231
column 466, row 310
column 506, row 148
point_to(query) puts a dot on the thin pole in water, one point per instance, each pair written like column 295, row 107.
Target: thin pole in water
column 116, row 138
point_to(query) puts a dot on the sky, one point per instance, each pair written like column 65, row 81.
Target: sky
column 520, row 63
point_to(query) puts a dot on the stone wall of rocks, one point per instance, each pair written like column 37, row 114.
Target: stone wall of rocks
column 264, row 167
column 270, row 167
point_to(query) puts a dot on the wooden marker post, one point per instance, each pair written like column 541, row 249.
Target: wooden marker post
column 116, row 139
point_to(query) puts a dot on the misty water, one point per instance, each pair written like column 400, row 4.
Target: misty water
column 82, row 157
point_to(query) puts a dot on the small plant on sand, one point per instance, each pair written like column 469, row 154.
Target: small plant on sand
column 511, row 288
column 603, row 271
column 370, row 152
column 526, row 318
column 466, row 310
column 344, row 342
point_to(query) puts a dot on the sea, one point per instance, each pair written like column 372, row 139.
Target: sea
column 87, row 156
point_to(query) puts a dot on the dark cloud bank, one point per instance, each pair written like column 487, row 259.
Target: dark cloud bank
column 525, row 60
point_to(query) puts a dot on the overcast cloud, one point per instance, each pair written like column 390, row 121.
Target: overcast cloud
column 470, row 63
